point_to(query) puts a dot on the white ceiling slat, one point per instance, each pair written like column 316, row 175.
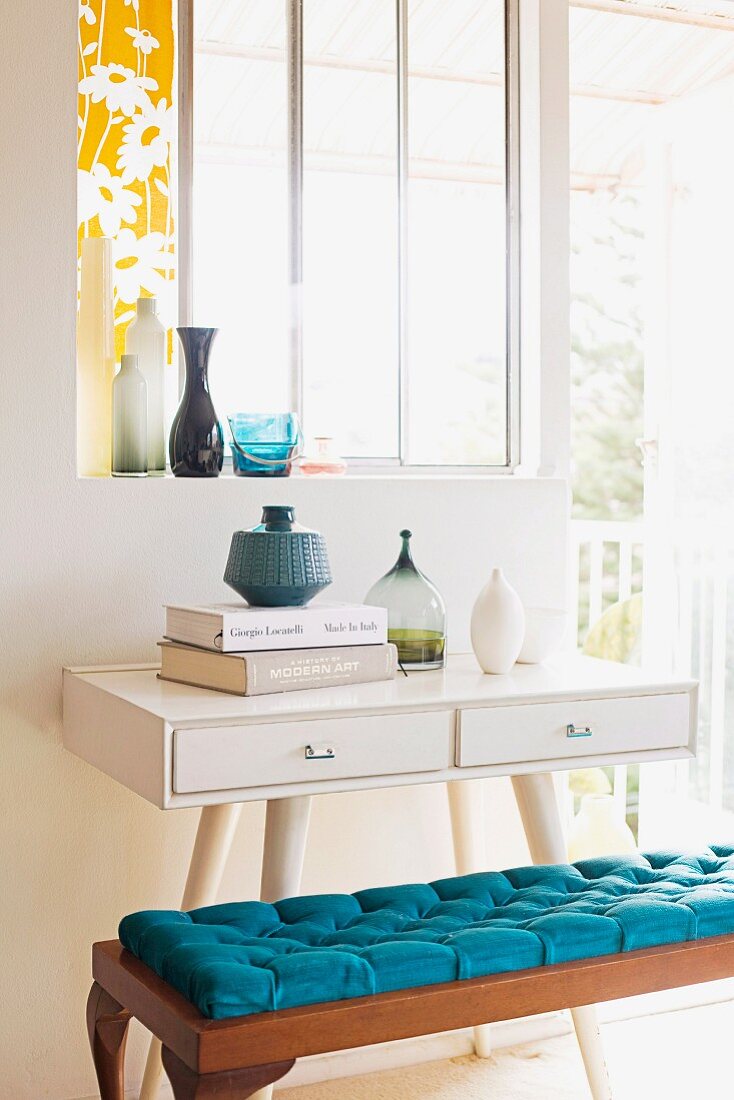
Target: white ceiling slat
column 422, row 168
column 621, row 68
column 210, row 48
column 714, row 16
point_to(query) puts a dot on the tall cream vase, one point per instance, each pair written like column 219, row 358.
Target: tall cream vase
column 497, row 625
column 95, row 360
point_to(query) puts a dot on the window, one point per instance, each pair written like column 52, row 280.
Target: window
column 349, row 181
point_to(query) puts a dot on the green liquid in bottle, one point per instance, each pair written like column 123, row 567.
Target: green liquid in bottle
column 419, row 648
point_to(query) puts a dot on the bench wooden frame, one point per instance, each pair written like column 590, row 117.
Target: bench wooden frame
column 231, row 1059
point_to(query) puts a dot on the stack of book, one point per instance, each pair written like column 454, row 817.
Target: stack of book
column 261, row 650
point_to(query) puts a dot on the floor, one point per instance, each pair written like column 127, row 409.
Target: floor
column 675, row 1056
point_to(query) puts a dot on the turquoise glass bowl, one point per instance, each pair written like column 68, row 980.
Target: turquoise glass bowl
column 264, row 444
column 278, row 563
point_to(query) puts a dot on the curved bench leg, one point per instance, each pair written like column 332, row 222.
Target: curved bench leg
column 466, row 807
column 536, row 800
column 236, row 1084
column 107, row 1023
column 217, row 825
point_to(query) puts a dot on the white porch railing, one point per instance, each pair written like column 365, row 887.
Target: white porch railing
column 607, row 566
column 704, row 649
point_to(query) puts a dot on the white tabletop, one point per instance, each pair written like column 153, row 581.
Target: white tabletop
column 461, row 683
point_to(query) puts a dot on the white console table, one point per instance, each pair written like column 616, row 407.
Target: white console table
column 181, row 746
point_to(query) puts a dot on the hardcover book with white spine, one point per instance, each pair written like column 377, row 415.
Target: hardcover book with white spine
column 234, row 628
column 273, row 671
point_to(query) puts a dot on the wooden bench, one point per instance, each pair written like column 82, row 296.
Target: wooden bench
column 231, row 1059
column 237, row 992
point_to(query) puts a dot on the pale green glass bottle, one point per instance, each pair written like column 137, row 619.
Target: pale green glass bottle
column 129, row 420
column 416, row 612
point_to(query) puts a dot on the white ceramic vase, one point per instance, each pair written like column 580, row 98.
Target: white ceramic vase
column 545, row 628
column 146, row 338
column 598, row 829
column 497, row 625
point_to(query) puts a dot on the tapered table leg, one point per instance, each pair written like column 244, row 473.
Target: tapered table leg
column 214, row 837
column 466, row 806
column 536, row 801
column 286, row 833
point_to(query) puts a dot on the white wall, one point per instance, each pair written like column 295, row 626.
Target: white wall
column 86, row 566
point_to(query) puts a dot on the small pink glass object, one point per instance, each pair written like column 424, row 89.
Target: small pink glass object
column 325, row 461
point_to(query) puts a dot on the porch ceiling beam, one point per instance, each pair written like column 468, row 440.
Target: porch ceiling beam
column 374, row 164
column 209, row 47
column 663, row 15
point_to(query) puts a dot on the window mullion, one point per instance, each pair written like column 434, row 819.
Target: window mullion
column 184, row 171
column 401, row 9
column 544, row 238
column 512, row 203
column 295, row 200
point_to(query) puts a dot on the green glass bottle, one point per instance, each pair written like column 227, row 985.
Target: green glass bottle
column 416, row 612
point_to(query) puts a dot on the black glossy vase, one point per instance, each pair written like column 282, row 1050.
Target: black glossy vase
column 196, row 442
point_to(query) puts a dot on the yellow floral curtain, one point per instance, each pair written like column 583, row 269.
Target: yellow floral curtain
column 127, row 124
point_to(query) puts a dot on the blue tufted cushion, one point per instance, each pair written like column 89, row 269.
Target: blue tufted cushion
column 245, row 957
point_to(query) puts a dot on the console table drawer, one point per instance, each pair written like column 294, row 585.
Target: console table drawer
column 552, row 731
column 226, row 757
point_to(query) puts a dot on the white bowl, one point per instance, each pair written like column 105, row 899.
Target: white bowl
column 545, row 628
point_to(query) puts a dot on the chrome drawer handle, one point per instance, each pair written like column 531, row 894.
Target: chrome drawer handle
column 319, row 752
column 578, row 731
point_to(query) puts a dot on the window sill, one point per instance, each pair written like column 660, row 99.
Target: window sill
column 353, row 473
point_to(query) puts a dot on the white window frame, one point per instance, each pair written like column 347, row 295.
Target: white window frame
column 538, row 247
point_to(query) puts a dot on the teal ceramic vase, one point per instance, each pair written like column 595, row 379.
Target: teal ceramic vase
column 416, row 612
column 278, row 563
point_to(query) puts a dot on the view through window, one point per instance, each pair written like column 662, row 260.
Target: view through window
column 401, row 318
column 652, row 173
